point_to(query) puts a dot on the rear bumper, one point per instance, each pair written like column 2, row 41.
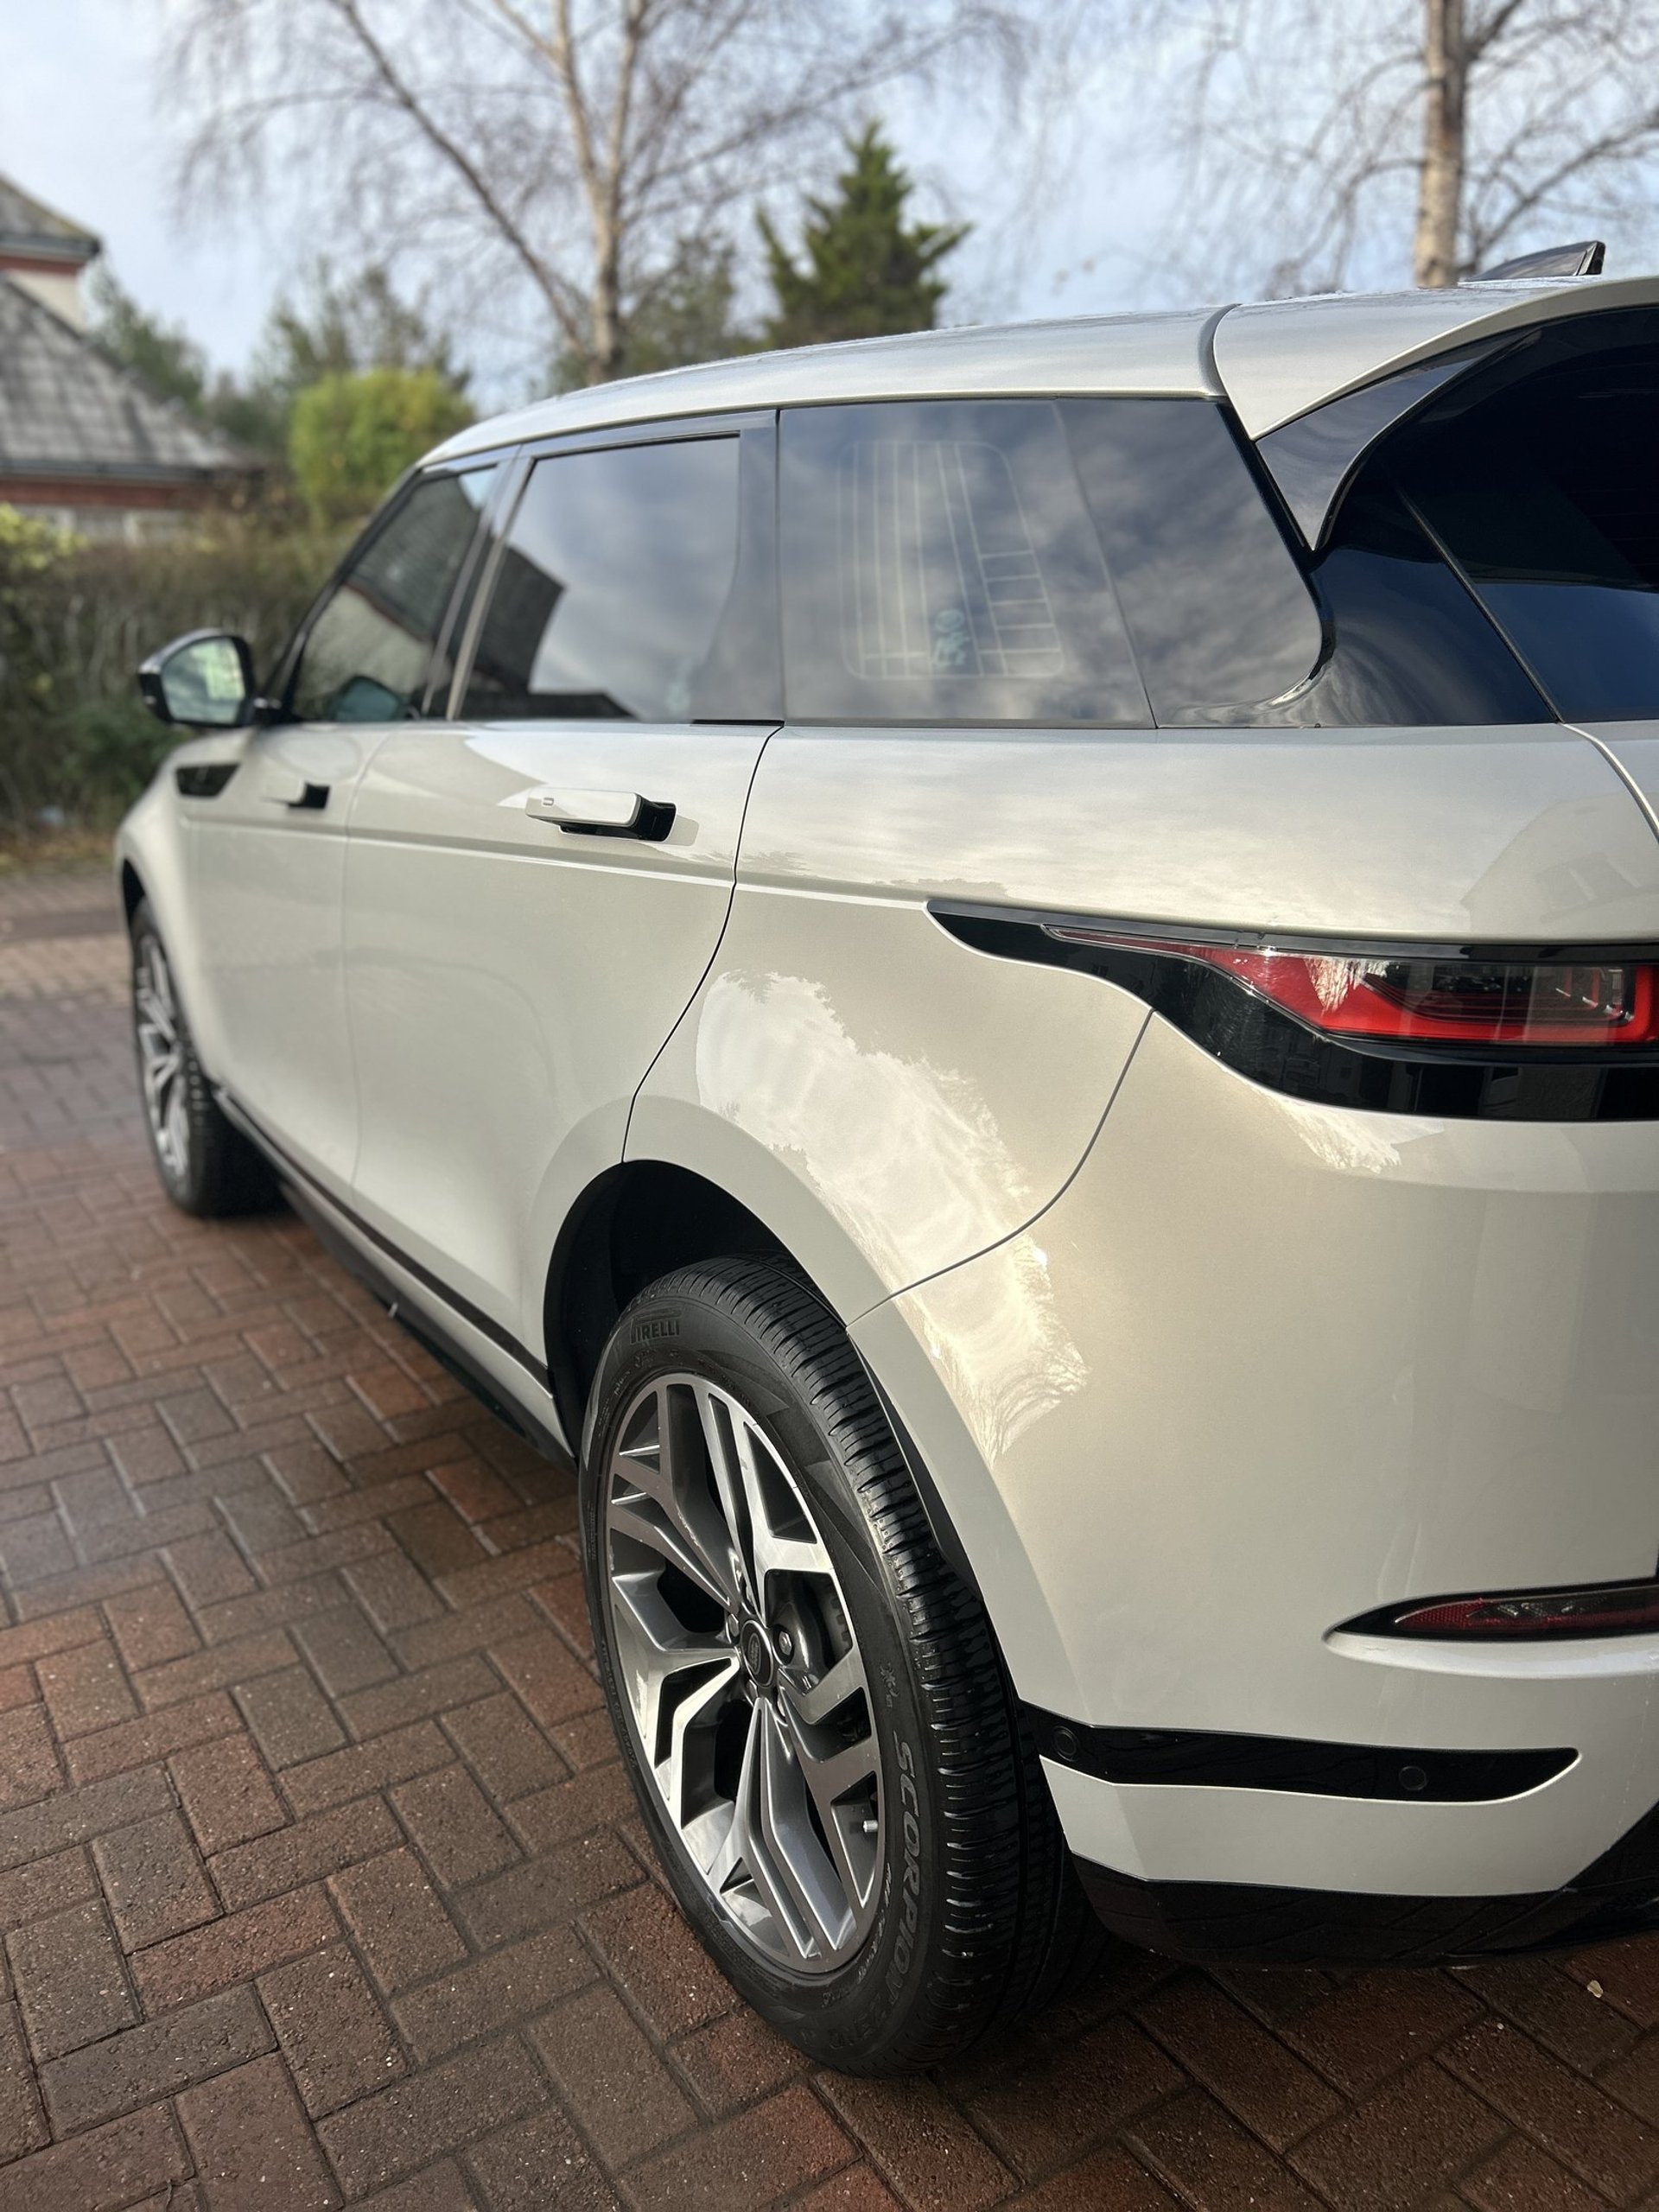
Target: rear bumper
column 1242, row 1923
column 1263, row 1368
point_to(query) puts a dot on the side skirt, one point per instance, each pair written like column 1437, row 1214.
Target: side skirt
column 353, row 1243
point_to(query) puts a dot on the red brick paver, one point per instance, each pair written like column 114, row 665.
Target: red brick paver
column 320, row 1882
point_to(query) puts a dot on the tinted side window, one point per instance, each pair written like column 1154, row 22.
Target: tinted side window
column 1221, row 617
column 1412, row 646
column 939, row 564
column 610, row 589
column 366, row 657
column 1546, row 497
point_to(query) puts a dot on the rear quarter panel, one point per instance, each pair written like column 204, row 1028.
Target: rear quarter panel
column 893, row 1104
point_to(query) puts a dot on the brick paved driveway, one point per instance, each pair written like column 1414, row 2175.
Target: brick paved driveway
column 317, row 1876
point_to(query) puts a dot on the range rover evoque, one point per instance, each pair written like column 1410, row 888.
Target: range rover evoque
column 1011, row 978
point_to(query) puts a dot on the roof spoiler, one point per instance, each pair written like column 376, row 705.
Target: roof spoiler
column 1316, row 382
column 1586, row 258
column 1283, row 358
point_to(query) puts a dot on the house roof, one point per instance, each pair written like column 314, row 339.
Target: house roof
column 67, row 410
column 29, row 227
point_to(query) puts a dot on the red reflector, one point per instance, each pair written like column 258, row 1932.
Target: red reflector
column 1433, row 1000
column 1624, row 1611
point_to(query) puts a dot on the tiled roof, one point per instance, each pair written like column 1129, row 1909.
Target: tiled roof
column 29, row 225
column 67, row 409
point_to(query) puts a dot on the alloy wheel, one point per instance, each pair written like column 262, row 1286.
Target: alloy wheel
column 162, row 1058
column 736, row 1652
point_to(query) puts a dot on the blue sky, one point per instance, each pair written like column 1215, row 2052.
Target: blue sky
column 81, row 125
column 78, row 129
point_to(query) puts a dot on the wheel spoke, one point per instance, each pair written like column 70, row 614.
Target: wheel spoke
column 790, row 1837
column 695, row 1710
column 668, row 1466
column 722, row 1600
column 161, row 1050
column 830, row 1774
column 814, row 1705
column 654, row 1650
column 721, row 1443
column 157, row 1072
column 830, row 1779
column 774, row 1850
column 153, row 1023
column 659, row 1531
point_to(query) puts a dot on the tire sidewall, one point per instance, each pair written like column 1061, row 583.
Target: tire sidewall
column 845, row 2017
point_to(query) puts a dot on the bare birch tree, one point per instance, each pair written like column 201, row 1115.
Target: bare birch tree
column 1324, row 135
column 572, row 147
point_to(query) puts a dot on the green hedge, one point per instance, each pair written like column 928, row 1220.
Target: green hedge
column 76, row 619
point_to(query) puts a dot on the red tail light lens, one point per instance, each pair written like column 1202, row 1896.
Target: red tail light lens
column 1431, row 1000
column 1628, row 1609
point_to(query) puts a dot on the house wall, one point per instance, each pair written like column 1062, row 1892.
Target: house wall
column 55, row 284
column 109, row 509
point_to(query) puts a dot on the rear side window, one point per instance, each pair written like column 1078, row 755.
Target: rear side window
column 608, row 596
column 1092, row 561
column 1546, row 496
column 940, row 564
column 1413, row 648
column 366, row 654
column 1221, row 619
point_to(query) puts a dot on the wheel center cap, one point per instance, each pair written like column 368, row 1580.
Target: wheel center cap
column 755, row 1652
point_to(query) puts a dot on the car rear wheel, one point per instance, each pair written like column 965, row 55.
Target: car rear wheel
column 206, row 1166
column 811, row 1705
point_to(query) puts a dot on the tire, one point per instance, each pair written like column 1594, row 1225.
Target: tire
column 207, row 1167
column 951, row 1905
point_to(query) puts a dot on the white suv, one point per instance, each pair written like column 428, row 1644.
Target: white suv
column 1012, row 978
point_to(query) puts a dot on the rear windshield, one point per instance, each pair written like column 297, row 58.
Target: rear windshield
column 1545, row 496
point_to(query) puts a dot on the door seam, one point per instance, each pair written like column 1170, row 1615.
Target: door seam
column 345, row 959
column 714, row 950
column 997, row 1243
column 1648, row 815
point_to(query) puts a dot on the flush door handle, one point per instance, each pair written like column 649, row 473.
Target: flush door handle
column 282, row 787
column 603, row 814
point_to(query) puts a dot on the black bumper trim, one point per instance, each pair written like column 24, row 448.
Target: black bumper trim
column 1246, row 1924
column 1211, row 1759
column 1241, row 1923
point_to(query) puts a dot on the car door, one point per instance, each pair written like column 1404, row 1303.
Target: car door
column 535, row 888
column 269, row 849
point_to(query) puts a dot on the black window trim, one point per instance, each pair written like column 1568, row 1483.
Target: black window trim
column 504, row 509
column 282, row 675
column 478, row 552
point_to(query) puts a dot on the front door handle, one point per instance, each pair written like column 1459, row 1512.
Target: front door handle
column 282, row 787
column 603, row 814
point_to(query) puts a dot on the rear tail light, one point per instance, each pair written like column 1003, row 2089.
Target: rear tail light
column 1430, row 1000
column 1621, row 1608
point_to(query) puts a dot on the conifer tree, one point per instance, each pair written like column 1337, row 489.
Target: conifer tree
column 866, row 271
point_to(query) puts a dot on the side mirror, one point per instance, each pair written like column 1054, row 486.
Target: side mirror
column 204, row 680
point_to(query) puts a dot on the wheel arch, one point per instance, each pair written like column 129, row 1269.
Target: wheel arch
column 631, row 1223
column 640, row 1220
column 132, row 889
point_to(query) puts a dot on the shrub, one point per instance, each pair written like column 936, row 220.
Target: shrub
column 351, row 437
column 75, row 620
